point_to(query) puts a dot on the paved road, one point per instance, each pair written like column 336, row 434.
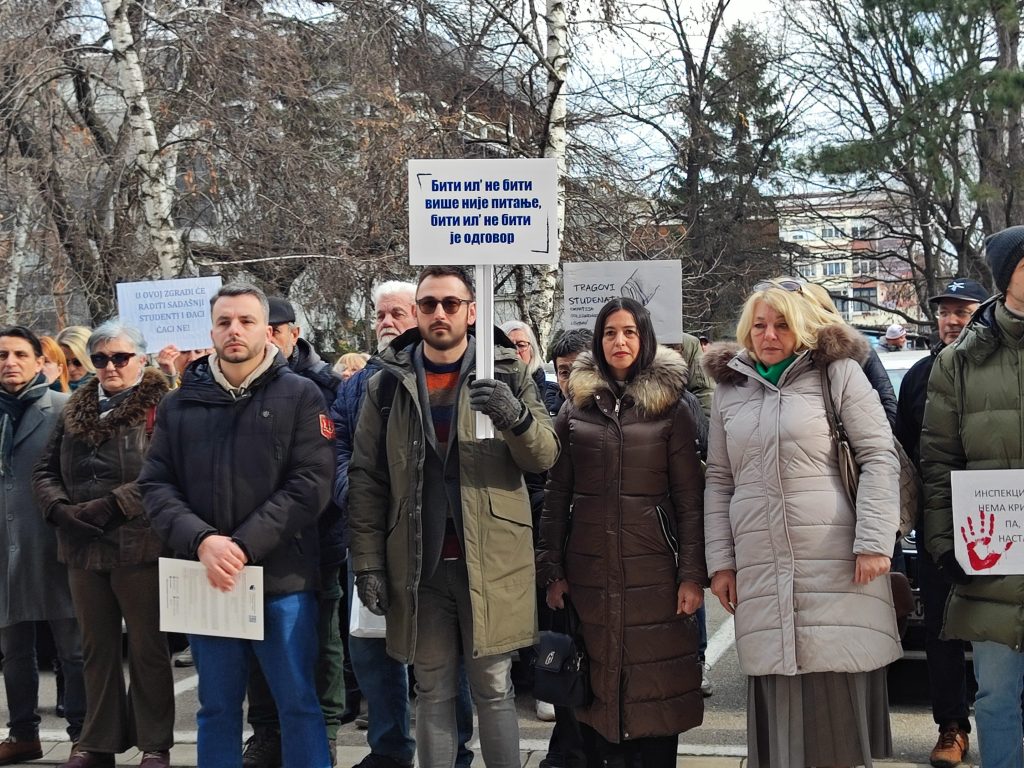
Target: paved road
column 719, row 742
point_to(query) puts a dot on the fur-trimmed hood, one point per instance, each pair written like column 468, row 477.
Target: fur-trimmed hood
column 654, row 390
column 82, row 414
column 835, row 342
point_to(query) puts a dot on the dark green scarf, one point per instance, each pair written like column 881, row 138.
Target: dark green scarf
column 774, row 372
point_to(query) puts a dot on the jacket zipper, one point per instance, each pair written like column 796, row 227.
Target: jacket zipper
column 666, row 531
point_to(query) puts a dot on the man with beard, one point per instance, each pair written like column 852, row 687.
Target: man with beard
column 383, row 681
column 237, row 474
column 440, row 521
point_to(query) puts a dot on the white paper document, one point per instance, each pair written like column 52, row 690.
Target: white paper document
column 189, row 604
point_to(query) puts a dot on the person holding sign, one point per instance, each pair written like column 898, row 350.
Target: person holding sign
column 802, row 565
column 86, row 485
column 972, row 421
column 239, row 470
column 441, row 535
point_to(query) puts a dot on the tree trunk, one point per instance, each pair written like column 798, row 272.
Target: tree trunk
column 158, row 172
column 18, row 257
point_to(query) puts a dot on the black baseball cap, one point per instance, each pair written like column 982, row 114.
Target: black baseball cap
column 281, row 311
column 963, row 289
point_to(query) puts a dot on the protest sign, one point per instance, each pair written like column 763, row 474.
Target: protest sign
column 988, row 520
column 483, row 211
column 657, row 285
column 169, row 311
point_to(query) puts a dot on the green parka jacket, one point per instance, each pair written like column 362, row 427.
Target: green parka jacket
column 386, row 492
column 974, row 420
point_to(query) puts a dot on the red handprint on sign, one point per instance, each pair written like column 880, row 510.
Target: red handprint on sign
column 978, row 545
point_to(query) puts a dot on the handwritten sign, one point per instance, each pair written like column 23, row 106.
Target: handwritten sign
column 657, row 285
column 988, row 520
column 483, row 211
column 169, row 311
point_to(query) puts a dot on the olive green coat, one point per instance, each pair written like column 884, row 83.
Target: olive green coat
column 386, row 491
column 974, row 420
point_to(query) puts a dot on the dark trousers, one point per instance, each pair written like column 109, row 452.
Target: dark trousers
column 330, row 684
column 142, row 716
column 650, row 752
column 21, row 676
column 947, row 667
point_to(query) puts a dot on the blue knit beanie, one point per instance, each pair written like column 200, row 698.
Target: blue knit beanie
column 1003, row 251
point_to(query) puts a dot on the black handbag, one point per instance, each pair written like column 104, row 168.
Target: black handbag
column 561, row 668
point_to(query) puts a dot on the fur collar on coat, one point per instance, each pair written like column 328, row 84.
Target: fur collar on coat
column 653, row 391
column 835, row 342
column 82, row 413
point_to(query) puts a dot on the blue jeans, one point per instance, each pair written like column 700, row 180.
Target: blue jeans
column 1000, row 673
column 444, row 617
column 384, row 683
column 21, row 676
column 287, row 655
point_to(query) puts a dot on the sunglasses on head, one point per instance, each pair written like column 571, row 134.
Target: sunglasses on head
column 450, row 304
column 786, row 285
column 119, row 359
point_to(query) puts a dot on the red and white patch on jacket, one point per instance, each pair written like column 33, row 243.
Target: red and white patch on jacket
column 326, row 427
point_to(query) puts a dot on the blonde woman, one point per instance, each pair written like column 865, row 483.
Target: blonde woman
column 74, row 341
column 801, row 567
column 350, row 364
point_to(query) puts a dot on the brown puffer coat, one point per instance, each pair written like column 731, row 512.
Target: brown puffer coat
column 89, row 457
column 630, row 479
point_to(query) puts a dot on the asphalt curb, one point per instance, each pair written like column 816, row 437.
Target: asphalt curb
column 184, row 756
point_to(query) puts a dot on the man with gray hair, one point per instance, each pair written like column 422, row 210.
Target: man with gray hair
column 238, row 472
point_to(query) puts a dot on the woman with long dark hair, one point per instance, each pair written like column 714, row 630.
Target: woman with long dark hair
column 622, row 536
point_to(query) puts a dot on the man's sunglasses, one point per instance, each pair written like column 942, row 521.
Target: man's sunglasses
column 450, row 304
column 786, row 285
column 119, row 359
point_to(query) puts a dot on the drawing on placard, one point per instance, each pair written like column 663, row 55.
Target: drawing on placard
column 635, row 289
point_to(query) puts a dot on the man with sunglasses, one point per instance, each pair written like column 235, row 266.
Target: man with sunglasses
column 35, row 581
column 238, row 472
column 449, row 556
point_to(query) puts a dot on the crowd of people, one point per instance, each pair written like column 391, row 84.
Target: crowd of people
column 607, row 500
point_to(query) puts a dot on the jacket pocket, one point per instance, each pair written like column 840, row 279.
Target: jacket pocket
column 668, row 533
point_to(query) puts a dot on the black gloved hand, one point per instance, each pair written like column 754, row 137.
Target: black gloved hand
column 494, row 398
column 951, row 570
column 373, row 591
column 100, row 512
column 65, row 517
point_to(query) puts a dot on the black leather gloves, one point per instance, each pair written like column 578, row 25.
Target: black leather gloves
column 99, row 512
column 373, row 591
column 494, row 398
column 65, row 517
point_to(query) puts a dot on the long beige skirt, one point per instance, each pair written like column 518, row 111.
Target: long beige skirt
column 818, row 719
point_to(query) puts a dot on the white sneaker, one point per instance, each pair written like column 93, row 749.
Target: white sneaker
column 706, row 686
column 545, row 712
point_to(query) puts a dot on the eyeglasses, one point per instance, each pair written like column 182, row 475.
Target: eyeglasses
column 519, row 344
column 786, row 285
column 119, row 359
column 450, row 304
column 74, row 362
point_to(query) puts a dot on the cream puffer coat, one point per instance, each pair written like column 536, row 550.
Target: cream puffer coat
column 776, row 511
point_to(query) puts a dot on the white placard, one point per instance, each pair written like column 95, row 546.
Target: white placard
column 483, row 211
column 188, row 603
column 657, row 285
column 988, row 520
column 169, row 311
